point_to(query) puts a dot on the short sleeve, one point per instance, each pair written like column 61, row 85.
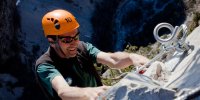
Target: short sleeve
column 93, row 51
column 46, row 73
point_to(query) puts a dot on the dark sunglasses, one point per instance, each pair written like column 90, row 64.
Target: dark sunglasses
column 68, row 39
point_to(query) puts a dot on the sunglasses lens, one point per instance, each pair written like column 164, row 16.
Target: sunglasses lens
column 69, row 39
column 77, row 37
column 66, row 40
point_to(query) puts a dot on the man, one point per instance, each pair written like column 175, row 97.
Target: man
column 66, row 70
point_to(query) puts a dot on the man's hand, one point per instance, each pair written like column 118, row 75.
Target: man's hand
column 138, row 60
column 92, row 93
column 76, row 93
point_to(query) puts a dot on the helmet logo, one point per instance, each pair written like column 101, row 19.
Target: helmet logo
column 68, row 19
column 56, row 23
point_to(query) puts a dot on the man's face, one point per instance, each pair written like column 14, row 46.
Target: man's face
column 69, row 43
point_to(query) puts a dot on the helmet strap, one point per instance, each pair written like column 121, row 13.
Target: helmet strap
column 57, row 46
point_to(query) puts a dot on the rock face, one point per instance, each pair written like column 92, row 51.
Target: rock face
column 16, row 77
column 8, row 28
column 182, row 83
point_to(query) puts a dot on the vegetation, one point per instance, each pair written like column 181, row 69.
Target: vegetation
column 195, row 21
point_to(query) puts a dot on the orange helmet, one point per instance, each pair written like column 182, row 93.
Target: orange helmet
column 58, row 22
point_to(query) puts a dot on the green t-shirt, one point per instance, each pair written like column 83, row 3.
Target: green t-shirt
column 47, row 71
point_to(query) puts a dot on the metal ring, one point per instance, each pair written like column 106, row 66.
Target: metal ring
column 164, row 25
column 182, row 29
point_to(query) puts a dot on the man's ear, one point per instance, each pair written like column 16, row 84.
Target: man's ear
column 51, row 41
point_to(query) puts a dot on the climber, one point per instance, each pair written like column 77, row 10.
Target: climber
column 65, row 70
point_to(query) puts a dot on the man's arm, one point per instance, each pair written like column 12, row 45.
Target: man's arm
column 121, row 59
column 66, row 92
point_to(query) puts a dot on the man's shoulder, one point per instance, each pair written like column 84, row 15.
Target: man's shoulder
column 82, row 45
column 43, row 58
column 87, row 45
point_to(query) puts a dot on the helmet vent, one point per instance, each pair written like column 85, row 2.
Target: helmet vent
column 52, row 19
column 56, row 24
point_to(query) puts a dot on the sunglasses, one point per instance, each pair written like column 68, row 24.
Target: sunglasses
column 68, row 39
